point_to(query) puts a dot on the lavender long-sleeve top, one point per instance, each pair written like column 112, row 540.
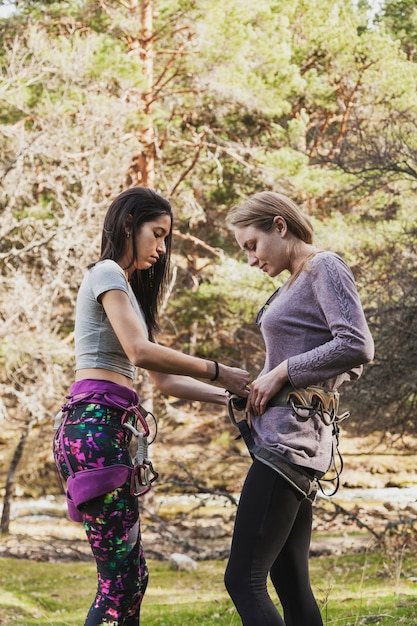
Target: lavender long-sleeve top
column 318, row 324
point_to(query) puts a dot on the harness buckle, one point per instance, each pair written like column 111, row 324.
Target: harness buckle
column 237, row 403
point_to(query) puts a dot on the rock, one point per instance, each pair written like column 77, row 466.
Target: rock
column 182, row 562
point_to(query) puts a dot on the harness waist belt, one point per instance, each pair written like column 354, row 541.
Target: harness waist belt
column 281, row 398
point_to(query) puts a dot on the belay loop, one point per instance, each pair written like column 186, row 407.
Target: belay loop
column 143, row 473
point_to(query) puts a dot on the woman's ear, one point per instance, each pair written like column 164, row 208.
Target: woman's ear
column 280, row 224
column 128, row 225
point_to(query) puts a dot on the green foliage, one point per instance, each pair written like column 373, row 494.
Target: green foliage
column 400, row 17
column 217, row 320
column 295, row 96
column 351, row 589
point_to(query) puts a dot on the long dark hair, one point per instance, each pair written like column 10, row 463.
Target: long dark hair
column 134, row 207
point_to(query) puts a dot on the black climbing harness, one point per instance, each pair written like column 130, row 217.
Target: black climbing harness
column 304, row 403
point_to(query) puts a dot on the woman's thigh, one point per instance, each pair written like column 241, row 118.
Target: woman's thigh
column 267, row 510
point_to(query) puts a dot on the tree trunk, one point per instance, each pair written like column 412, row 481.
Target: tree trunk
column 142, row 169
column 8, row 496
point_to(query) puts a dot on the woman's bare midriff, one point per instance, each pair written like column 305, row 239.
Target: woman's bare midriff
column 101, row 374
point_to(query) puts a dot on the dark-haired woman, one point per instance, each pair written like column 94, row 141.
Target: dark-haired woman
column 316, row 338
column 115, row 327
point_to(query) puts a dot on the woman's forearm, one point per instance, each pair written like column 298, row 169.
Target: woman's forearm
column 188, row 388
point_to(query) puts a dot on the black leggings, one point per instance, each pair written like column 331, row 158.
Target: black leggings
column 272, row 534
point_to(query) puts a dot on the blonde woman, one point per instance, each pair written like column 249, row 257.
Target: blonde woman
column 315, row 334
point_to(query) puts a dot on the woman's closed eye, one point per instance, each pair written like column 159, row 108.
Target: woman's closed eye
column 250, row 247
column 162, row 236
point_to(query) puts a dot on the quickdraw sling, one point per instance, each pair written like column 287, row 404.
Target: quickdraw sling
column 317, row 400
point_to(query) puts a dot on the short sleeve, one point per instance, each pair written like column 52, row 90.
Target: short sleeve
column 107, row 275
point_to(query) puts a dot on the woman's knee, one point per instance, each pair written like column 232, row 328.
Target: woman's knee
column 233, row 580
column 229, row 579
column 241, row 582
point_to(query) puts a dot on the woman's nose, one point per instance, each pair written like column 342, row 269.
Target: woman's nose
column 252, row 259
column 161, row 248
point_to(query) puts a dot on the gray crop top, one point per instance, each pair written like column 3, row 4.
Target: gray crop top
column 96, row 344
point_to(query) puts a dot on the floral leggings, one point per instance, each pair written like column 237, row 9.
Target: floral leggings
column 93, row 437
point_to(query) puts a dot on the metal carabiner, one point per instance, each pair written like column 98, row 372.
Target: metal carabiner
column 142, row 478
column 141, row 414
column 143, row 473
column 131, row 428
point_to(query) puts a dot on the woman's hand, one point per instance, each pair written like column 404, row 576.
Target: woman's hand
column 234, row 379
column 266, row 387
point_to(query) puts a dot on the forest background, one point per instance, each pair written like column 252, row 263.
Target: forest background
column 207, row 101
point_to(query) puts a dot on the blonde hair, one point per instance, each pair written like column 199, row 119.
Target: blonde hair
column 260, row 210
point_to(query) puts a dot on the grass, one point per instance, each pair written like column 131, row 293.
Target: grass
column 352, row 590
